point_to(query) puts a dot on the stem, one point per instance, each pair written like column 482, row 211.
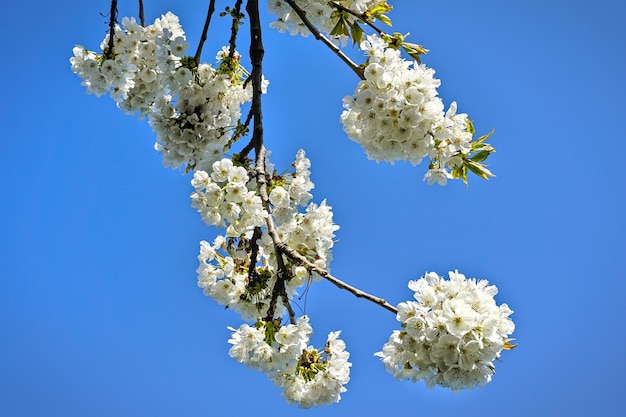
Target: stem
column 336, row 281
column 320, row 37
column 246, row 150
column 234, row 29
column 256, row 56
column 254, row 253
column 142, row 20
column 205, row 31
column 109, row 52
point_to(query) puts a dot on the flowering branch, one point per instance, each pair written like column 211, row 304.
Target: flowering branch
column 205, row 31
column 256, row 55
column 320, row 37
column 450, row 335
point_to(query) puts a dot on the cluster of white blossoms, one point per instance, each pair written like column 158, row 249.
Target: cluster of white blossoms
column 138, row 70
column 196, row 121
column 395, row 114
column 451, row 335
column 319, row 12
column 241, row 271
column 227, row 198
column 194, row 110
column 308, row 376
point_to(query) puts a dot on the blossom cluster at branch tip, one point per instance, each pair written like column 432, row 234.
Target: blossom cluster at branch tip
column 451, row 334
column 396, row 114
column 194, row 109
column 308, row 376
column 228, row 198
column 319, row 12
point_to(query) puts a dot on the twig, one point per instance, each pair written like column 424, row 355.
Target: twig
column 254, row 253
column 320, row 37
column 109, row 53
column 256, row 56
column 336, row 281
column 205, row 31
column 246, row 150
column 142, row 20
column 234, row 29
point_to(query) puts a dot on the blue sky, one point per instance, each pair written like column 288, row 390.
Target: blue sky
column 100, row 314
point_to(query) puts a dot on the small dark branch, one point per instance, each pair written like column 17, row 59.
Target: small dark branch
column 362, row 16
column 292, row 314
column 279, row 292
column 142, row 20
column 246, row 150
column 254, row 253
column 271, row 310
column 109, row 52
column 337, row 282
column 256, row 56
column 320, row 37
column 205, row 31
column 234, row 29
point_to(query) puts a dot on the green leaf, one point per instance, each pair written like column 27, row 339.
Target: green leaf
column 380, row 8
column 414, row 50
column 482, row 147
column 384, row 19
column 481, row 156
column 478, row 169
column 340, row 28
column 485, row 137
column 460, row 172
column 470, row 127
column 357, row 33
column 378, row 12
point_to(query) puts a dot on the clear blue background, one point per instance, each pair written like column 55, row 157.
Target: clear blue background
column 100, row 314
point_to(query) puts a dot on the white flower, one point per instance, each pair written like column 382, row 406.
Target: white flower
column 319, row 377
column 279, row 197
column 319, row 12
column 396, row 114
column 451, row 335
column 437, row 175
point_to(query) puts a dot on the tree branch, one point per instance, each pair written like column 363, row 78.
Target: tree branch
column 205, row 31
column 237, row 16
column 109, row 52
column 142, row 20
column 320, row 37
column 256, row 55
column 336, row 281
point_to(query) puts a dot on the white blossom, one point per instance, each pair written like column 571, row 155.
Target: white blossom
column 396, row 114
column 319, row 12
column 227, row 197
column 452, row 333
